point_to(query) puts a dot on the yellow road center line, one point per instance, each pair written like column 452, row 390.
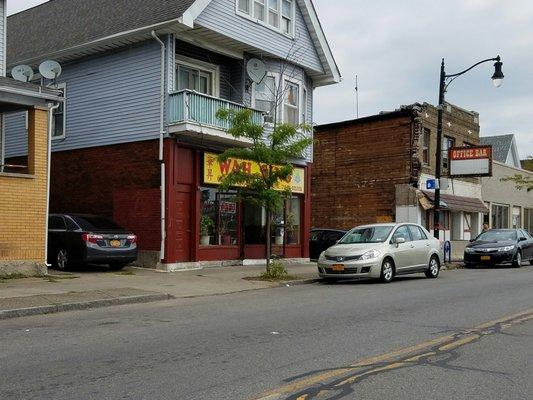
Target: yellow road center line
column 321, row 377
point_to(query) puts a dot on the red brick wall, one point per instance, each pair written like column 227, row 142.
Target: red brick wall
column 119, row 181
column 355, row 170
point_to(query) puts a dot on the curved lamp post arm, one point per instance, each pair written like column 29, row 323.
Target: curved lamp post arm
column 457, row 75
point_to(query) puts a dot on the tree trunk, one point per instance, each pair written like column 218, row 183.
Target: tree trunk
column 268, row 238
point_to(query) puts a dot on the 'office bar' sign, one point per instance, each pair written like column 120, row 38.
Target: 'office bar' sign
column 470, row 161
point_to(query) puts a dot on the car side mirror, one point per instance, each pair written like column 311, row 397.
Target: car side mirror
column 472, row 240
column 399, row 240
column 522, row 239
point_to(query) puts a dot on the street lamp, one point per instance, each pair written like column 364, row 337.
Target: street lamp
column 497, row 80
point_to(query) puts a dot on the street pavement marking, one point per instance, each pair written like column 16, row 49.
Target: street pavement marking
column 389, row 361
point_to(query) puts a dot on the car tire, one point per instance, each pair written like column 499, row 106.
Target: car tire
column 517, row 260
column 433, row 269
column 117, row 266
column 530, row 262
column 470, row 265
column 387, row 271
column 61, row 261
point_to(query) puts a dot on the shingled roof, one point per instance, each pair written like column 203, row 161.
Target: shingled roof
column 62, row 24
column 501, row 145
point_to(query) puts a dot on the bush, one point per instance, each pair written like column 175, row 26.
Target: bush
column 277, row 271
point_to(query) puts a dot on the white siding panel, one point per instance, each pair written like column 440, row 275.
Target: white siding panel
column 220, row 16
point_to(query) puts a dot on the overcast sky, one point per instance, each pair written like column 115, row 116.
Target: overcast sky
column 395, row 48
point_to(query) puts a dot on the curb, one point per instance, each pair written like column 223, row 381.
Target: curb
column 298, row 282
column 84, row 305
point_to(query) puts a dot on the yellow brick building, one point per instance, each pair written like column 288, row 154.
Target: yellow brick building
column 23, row 191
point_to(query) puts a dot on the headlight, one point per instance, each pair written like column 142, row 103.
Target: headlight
column 469, row 250
column 506, row 248
column 322, row 256
column 370, row 254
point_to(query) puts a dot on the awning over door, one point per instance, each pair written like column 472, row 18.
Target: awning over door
column 452, row 202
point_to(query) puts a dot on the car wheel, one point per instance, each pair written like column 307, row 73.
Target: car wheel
column 433, row 268
column 117, row 266
column 530, row 262
column 517, row 261
column 61, row 261
column 470, row 265
column 387, row 271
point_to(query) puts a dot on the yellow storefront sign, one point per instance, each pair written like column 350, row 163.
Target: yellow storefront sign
column 215, row 170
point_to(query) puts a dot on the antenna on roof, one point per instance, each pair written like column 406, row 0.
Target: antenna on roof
column 22, row 73
column 50, row 69
column 356, row 97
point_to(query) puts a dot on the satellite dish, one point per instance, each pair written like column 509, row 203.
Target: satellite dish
column 22, row 73
column 50, row 69
column 256, row 70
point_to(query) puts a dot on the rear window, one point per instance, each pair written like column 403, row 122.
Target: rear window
column 96, row 223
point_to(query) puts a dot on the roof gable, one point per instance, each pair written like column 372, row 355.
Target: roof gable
column 503, row 148
column 61, row 24
column 72, row 26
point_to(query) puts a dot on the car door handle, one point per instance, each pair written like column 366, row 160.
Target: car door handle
column 427, row 244
column 412, row 246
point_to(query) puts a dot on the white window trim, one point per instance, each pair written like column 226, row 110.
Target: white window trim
column 265, row 23
column 276, row 77
column 198, row 64
column 63, row 87
column 300, row 97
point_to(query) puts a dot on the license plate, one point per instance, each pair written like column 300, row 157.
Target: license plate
column 115, row 243
column 485, row 258
column 337, row 267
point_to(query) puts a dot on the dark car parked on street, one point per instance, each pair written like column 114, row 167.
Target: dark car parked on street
column 79, row 239
column 322, row 239
column 500, row 246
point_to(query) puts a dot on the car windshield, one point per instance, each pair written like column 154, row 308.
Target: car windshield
column 90, row 223
column 369, row 234
column 497, row 236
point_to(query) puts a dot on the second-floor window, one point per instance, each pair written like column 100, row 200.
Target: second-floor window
column 291, row 103
column 196, row 75
column 276, row 14
column 265, row 97
column 425, row 146
column 59, row 116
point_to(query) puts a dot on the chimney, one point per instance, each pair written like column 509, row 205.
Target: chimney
column 3, row 22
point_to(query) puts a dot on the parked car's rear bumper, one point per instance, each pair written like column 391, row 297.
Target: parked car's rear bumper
column 495, row 258
column 110, row 255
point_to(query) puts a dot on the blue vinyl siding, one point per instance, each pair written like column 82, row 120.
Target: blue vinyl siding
column 220, row 16
column 112, row 98
column 2, row 37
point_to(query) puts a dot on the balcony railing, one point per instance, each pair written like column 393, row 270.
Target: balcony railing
column 198, row 108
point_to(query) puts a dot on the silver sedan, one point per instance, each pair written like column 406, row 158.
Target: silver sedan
column 382, row 251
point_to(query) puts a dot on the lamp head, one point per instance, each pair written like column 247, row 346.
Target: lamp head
column 497, row 77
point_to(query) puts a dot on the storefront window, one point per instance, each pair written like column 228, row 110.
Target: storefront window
column 218, row 218
column 286, row 223
column 500, row 216
column 528, row 219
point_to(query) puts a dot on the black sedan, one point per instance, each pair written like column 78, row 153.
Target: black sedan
column 500, row 246
column 323, row 239
column 79, row 239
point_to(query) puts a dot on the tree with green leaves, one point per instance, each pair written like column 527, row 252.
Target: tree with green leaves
column 521, row 181
column 273, row 150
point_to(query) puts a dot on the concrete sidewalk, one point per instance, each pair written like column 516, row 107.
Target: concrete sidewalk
column 97, row 286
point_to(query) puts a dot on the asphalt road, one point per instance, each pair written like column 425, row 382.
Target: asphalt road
column 468, row 335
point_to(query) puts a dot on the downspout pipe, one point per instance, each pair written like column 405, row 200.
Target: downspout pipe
column 161, row 140
column 48, row 177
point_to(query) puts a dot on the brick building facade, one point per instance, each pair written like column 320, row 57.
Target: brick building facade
column 23, row 204
column 374, row 169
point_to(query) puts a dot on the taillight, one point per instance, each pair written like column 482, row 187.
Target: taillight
column 91, row 238
column 132, row 238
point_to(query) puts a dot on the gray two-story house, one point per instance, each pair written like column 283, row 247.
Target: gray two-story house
column 136, row 137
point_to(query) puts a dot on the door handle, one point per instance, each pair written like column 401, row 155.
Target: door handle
column 427, row 244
